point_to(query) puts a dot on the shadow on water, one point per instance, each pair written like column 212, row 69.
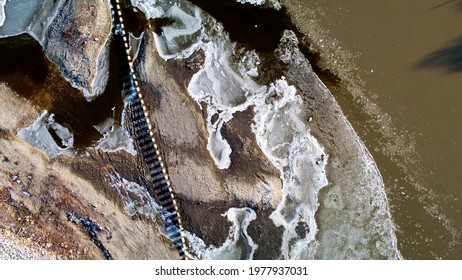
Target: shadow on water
column 449, row 58
column 456, row 3
column 254, row 27
column 261, row 29
column 27, row 71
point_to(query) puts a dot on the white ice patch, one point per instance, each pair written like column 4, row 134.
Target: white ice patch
column 150, row 8
column 25, row 16
column 102, row 73
column 285, row 140
column 253, row 2
column 38, row 135
column 115, row 138
column 182, row 37
column 238, row 246
column 272, row 3
column 136, row 198
column 2, row 12
column 224, row 91
column 135, row 44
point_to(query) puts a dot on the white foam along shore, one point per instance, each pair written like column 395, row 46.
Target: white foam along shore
column 227, row 87
column 38, row 135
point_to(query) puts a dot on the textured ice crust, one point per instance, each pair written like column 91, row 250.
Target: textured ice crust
column 183, row 36
column 38, row 135
column 225, row 85
column 2, row 12
column 286, row 141
column 136, row 199
column 253, row 2
column 224, row 91
column 272, row 3
column 238, row 245
column 115, row 138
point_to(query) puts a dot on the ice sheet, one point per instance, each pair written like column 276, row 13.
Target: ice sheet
column 38, row 135
column 115, row 138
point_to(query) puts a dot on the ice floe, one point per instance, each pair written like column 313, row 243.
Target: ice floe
column 238, row 245
column 115, row 138
column 38, row 134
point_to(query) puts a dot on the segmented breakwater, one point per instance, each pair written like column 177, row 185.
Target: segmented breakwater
column 141, row 129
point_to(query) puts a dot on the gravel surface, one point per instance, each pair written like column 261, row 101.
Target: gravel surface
column 11, row 250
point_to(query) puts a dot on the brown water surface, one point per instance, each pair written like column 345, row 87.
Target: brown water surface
column 401, row 67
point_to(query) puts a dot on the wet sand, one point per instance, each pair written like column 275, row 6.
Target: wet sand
column 401, row 74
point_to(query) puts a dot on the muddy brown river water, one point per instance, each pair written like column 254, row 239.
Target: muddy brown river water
column 400, row 66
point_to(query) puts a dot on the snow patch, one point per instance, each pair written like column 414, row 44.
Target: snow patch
column 38, row 135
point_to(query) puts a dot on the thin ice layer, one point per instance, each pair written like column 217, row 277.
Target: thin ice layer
column 2, row 12
column 136, row 199
column 38, row 135
column 115, row 138
column 354, row 221
column 24, row 16
column 285, row 140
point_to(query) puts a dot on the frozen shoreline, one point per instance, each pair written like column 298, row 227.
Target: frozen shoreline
column 226, row 85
